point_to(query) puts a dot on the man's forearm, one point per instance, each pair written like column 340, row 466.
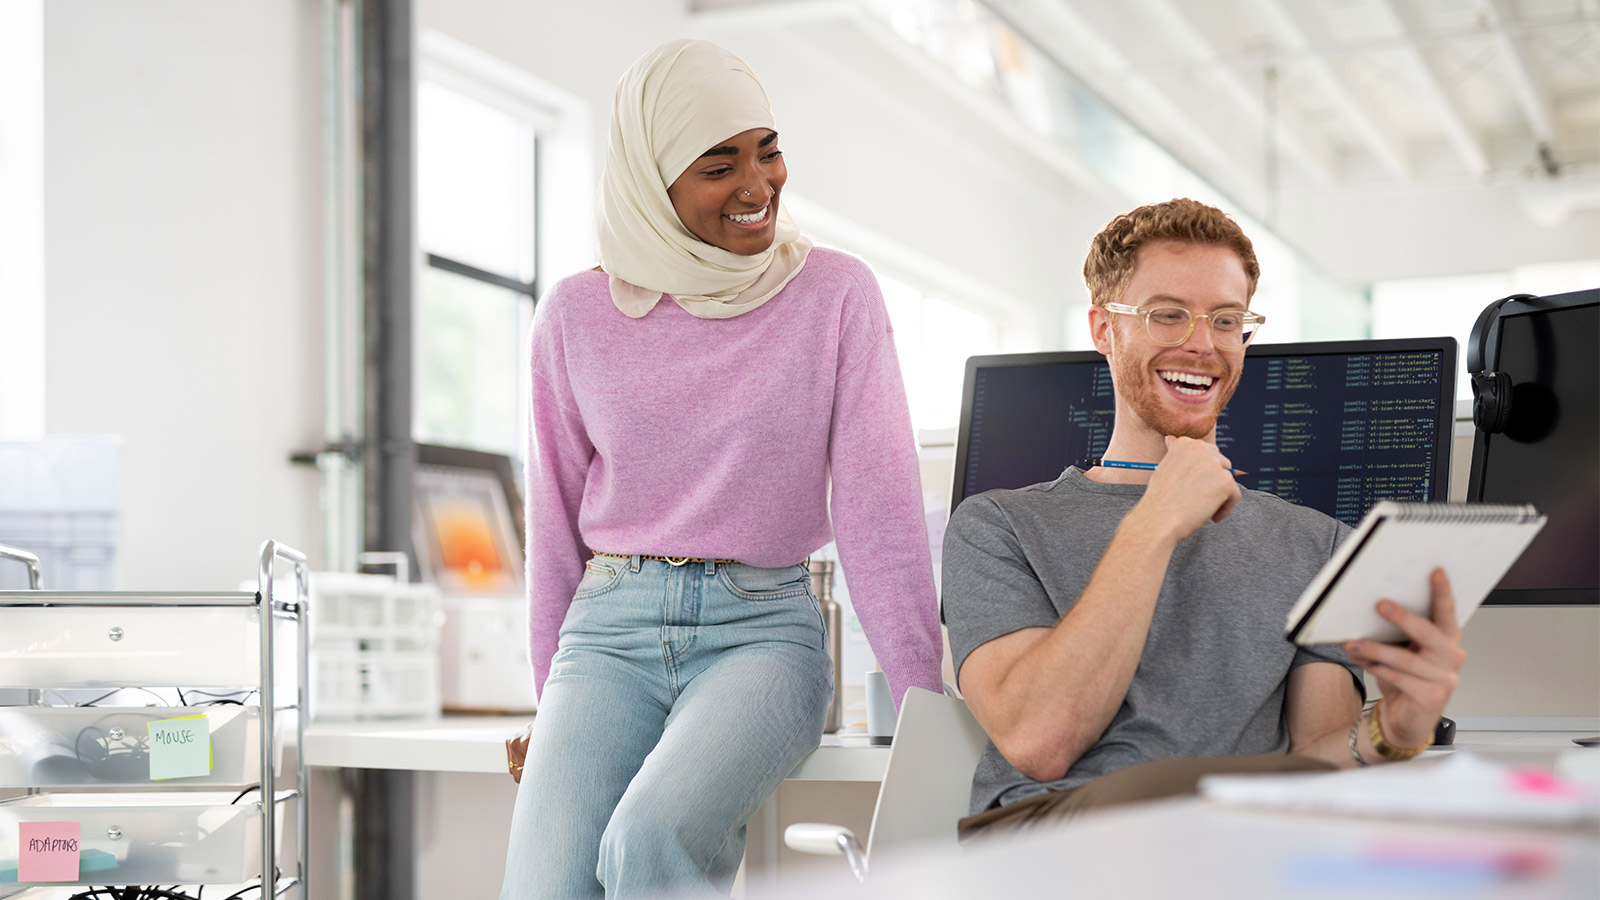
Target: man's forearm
column 1333, row 747
column 1320, row 704
column 1094, row 650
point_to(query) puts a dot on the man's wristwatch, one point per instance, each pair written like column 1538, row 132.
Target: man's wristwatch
column 1385, row 749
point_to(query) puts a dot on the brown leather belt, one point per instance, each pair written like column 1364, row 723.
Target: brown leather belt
column 669, row 560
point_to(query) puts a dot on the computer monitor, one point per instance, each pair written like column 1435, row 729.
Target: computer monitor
column 1549, row 453
column 1334, row 425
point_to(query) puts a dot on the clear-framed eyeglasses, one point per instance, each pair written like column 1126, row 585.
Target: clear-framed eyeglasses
column 1170, row 326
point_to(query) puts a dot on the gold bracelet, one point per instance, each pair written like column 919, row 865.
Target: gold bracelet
column 1385, row 749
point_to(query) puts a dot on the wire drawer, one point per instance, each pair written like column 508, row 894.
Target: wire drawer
column 174, row 838
column 122, row 643
column 106, row 746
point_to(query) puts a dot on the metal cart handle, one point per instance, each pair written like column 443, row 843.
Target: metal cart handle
column 271, row 552
column 35, row 574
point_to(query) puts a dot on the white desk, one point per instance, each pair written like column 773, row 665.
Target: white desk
column 454, row 753
column 477, row 744
column 1550, row 742
column 459, row 764
column 1191, row 848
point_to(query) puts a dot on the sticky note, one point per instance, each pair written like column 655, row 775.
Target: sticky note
column 49, row 851
column 1343, row 874
column 180, row 748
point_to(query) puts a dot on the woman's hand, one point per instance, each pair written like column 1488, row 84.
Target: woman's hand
column 517, row 752
column 1417, row 679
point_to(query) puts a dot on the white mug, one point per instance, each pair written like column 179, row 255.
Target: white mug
column 880, row 710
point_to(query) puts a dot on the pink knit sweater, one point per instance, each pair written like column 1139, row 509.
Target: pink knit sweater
column 720, row 438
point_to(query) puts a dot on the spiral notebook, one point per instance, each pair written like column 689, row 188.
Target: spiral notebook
column 1391, row 554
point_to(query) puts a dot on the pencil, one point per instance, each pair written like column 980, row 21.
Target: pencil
column 1093, row 461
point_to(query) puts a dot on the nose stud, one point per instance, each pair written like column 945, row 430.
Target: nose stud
column 747, row 192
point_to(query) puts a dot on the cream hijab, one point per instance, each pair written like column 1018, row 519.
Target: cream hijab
column 678, row 101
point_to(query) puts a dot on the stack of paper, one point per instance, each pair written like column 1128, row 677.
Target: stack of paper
column 1462, row 786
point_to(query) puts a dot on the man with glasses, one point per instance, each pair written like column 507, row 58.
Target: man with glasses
column 1119, row 632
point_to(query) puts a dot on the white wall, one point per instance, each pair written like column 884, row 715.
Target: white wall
column 182, row 256
column 22, row 219
column 579, row 47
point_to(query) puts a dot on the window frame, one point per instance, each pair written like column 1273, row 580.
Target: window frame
column 398, row 60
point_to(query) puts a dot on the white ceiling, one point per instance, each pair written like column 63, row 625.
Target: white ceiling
column 1341, row 91
column 1396, row 117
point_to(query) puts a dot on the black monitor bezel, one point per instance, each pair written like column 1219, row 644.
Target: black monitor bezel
column 1481, row 441
column 1438, row 489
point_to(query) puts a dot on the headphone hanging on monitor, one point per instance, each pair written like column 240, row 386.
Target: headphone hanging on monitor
column 1491, row 391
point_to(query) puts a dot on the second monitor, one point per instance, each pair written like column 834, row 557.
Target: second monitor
column 1333, row 425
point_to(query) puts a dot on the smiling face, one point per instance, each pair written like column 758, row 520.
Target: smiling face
column 1174, row 390
column 729, row 196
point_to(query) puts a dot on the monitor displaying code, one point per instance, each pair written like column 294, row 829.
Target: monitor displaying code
column 1336, row 426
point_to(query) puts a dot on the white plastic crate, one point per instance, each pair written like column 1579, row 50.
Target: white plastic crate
column 175, row 838
column 374, row 647
column 484, row 655
column 402, row 684
column 362, row 685
column 106, row 746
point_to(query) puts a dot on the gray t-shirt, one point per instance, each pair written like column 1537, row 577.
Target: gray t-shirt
column 1212, row 677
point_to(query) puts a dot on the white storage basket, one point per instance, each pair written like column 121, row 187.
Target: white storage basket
column 374, row 647
column 358, row 685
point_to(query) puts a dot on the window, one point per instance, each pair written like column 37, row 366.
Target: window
column 933, row 335
column 933, row 339
column 476, row 181
column 1424, row 307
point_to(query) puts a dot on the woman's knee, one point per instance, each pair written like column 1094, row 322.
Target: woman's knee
column 649, row 829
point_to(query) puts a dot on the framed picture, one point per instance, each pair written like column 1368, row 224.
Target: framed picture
column 467, row 521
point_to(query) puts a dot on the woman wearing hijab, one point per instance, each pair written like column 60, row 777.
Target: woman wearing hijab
column 713, row 403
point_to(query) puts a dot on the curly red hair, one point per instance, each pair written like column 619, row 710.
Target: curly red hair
column 1115, row 250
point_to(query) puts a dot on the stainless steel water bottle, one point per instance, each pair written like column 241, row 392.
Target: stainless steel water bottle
column 832, row 620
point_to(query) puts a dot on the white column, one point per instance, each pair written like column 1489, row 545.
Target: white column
column 21, row 219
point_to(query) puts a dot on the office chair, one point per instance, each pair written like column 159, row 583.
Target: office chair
column 927, row 785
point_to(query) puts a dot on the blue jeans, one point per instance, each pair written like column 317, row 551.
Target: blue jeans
column 678, row 700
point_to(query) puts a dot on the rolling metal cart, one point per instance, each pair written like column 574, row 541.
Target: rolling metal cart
column 91, row 765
